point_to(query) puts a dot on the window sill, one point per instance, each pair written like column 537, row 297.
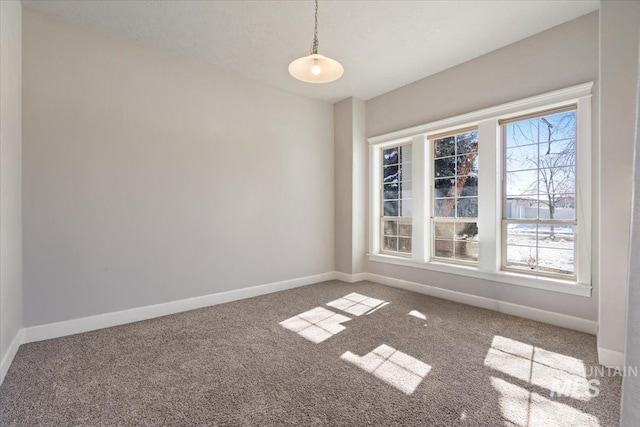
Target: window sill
column 537, row 282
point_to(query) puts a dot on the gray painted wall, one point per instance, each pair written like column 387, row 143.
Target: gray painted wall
column 350, row 184
column 631, row 384
column 620, row 25
column 150, row 178
column 508, row 74
column 10, row 173
column 343, row 190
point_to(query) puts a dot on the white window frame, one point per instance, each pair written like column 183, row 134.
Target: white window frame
column 399, row 219
column 433, row 219
column 540, row 222
column 489, row 265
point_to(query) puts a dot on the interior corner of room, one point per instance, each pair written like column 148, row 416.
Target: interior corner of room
column 152, row 164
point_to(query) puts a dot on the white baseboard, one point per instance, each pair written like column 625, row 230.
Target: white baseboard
column 106, row 320
column 610, row 358
column 11, row 353
column 90, row 323
column 563, row 320
column 350, row 278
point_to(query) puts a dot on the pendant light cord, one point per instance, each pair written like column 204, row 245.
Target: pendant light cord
column 314, row 49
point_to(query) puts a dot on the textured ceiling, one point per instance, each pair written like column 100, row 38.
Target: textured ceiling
column 382, row 44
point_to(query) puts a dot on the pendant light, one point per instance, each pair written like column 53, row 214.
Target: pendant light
column 316, row 68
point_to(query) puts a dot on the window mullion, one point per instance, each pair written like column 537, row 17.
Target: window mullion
column 489, row 194
column 420, row 250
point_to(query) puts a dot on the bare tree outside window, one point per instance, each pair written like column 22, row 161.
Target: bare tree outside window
column 540, row 192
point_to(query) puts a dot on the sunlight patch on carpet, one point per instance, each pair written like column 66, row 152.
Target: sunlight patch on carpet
column 355, row 303
column 316, row 325
column 394, row 367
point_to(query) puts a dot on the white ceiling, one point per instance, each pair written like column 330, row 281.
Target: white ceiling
column 382, row 44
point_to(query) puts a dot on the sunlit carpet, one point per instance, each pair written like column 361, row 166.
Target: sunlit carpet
column 325, row 354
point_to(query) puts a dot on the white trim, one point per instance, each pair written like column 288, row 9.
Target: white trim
column 489, row 187
column 374, row 199
column 537, row 282
column 563, row 320
column 523, row 106
column 419, row 194
column 106, row 320
column 350, row 278
column 610, row 358
column 17, row 341
column 583, row 189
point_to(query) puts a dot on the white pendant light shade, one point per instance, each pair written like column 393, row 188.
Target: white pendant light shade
column 316, row 68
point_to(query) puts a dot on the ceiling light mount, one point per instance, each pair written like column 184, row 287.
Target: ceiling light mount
column 316, row 68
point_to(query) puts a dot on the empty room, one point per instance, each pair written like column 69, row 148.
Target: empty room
column 315, row 212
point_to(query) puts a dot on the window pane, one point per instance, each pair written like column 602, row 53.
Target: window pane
column 406, row 207
column 467, row 164
column 522, row 207
column 522, row 133
column 390, row 228
column 444, row 187
column 467, row 208
column 445, row 146
column 397, row 191
column 390, row 244
column 405, row 153
column 522, row 158
column 521, row 234
column 445, row 167
column 555, row 261
column 467, row 142
column 466, row 251
column 558, row 206
column 443, row 230
column 558, row 126
column 391, row 174
column 443, row 248
column 543, row 248
column 392, row 191
column 470, row 185
column 557, row 180
column 391, row 208
column 391, row 156
column 522, row 183
column 556, row 236
column 406, row 171
column 404, row 244
column 444, row 208
column 466, row 231
column 558, row 153
column 522, row 257
column 404, row 230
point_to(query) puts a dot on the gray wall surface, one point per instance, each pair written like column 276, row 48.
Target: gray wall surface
column 562, row 56
column 619, row 24
column 151, row 178
column 343, row 190
column 631, row 384
column 10, row 173
column 350, row 184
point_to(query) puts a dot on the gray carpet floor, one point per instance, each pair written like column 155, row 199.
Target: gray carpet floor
column 290, row 359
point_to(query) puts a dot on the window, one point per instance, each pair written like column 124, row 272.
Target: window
column 522, row 218
column 539, row 195
column 396, row 200
column 454, row 218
